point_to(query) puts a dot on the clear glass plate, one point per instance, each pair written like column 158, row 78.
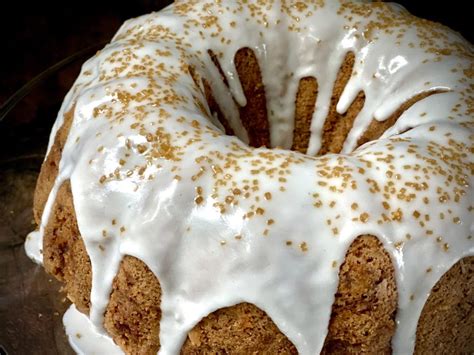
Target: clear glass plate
column 31, row 305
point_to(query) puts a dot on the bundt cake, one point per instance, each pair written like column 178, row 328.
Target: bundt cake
column 241, row 177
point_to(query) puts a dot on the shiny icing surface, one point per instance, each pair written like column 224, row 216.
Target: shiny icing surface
column 219, row 222
column 83, row 337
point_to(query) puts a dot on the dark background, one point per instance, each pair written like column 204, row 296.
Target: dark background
column 37, row 35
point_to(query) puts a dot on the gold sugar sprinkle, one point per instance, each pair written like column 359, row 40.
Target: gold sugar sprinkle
column 304, row 247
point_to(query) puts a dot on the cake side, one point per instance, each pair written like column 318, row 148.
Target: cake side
column 362, row 319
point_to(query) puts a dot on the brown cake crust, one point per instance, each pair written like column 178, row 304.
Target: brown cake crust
column 240, row 329
column 337, row 126
column 377, row 128
column 50, row 167
column 363, row 313
column 211, row 101
column 214, row 107
column 133, row 314
column 362, row 319
column 64, row 253
column 304, row 109
column 254, row 114
column 446, row 325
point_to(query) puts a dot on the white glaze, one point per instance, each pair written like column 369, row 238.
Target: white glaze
column 82, row 337
column 190, row 246
column 34, row 246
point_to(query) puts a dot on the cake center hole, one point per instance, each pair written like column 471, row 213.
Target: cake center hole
column 254, row 117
